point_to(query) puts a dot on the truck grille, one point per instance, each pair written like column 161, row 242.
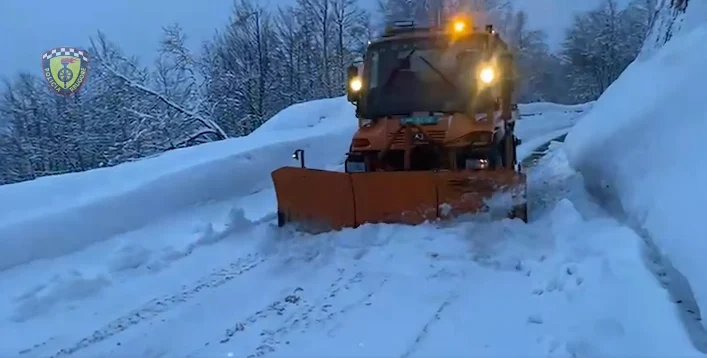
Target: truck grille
column 436, row 135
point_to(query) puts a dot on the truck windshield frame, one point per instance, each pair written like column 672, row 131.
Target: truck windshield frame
column 422, row 74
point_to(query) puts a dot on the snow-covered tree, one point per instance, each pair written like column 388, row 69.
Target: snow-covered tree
column 672, row 17
column 175, row 107
column 351, row 26
column 601, row 44
column 261, row 62
column 419, row 11
column 124, row 112
column 243, row 72
column 319, row 13
column 436, row 12
column 538, row 76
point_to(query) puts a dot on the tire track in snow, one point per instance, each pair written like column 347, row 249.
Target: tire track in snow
column 422, row 334
column 318, row 314
column 158, row 306
column 304, row 314
column 278, row 308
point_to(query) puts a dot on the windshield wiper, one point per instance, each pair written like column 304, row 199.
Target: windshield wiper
column 454, row 86
column 398, row 68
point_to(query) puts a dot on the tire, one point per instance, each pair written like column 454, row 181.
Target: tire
column 495, row 160
column 519, row 212
column 508, row 144
column 281, row 221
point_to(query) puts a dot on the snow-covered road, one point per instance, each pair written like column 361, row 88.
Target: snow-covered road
column 571, row 283
column 219, row 279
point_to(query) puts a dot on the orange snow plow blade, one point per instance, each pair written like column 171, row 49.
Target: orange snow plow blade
column 394, row 197
column 317, row 200
column 466, row 192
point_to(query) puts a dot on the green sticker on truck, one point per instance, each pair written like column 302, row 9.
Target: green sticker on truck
column 419, row 120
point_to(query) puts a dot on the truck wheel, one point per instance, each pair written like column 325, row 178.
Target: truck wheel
column 520, row 212
column 496, row 159
column 281, row 220
column 508, row 150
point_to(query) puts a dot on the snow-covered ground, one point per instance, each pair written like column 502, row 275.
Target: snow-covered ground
column 542, row 122
column 52, row 216
column 642, row 150
column 178, row 256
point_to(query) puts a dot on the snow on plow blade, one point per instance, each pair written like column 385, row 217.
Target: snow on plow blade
column 317, row 200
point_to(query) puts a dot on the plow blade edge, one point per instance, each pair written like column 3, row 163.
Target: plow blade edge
column 317, row 200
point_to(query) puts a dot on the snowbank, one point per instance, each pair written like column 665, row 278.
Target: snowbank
column 544, row 122
column 642, row 146
column 48, row 217
column 54, row 216
column 323, row 114
column 537, row 108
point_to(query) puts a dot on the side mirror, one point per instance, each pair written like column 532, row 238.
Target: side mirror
column 507, row 71
column 506, row 64
column 507, row 86
column 353, row 84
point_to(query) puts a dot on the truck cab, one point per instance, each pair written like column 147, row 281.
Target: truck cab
column 433, row 99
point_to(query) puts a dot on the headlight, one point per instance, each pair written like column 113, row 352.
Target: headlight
column 487, row 75
column 476, row 164
column 459, row 26
column 355, row 84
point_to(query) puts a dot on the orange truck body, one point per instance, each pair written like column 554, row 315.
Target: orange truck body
column 390, row 186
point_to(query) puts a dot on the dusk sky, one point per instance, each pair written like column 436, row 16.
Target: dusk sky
column 30, row 27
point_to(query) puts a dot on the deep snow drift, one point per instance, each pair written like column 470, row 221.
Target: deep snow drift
column 642, row 149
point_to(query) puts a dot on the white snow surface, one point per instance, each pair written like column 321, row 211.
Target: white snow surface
column 56, row 215
column 197, row 268
column 47, row 217
column 542, row 122
column 539, row 108
column 642, row 149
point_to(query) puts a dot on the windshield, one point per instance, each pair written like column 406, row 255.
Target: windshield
column 421, row 76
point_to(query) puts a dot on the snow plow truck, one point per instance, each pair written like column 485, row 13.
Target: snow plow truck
column 435, row 138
